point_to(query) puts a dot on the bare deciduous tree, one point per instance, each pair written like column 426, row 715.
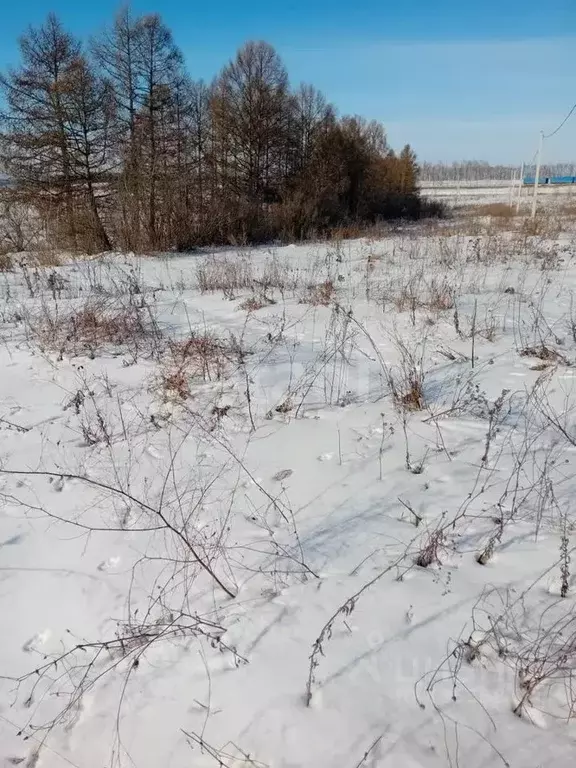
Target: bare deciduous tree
column 121, row 146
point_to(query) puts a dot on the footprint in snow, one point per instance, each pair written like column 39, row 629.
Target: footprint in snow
column 16, row 539
column 249, row 482
column 311, row 415
column 325, row 457
column 36, row 642
column 109, row 564
column 283, row 474
column 58, row 484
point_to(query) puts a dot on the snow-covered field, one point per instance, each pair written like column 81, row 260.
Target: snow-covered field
column 303, row 507
column 459, row 193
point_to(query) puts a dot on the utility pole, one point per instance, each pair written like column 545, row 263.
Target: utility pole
column 520, row 182
column 537, row 177
column 458, row 185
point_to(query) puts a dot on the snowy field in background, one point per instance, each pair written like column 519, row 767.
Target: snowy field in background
column 293, row 507
column 460, row 193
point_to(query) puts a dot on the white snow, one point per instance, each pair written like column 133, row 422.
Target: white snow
column 120, row 649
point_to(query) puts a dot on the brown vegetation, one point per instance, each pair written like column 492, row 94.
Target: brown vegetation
column 496, row 210
column 254, row 303
column 548, row 355
column 201, row 357
column 89, row 328
column 413, row 398
column 322, row 294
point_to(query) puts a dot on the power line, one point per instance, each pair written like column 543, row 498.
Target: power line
column 544, row 136
column 538, row 157
column 562, row 124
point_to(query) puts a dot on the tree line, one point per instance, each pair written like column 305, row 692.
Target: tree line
column 116, row 146
column 475, row 170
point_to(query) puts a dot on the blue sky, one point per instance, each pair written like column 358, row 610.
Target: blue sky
column 458, row 79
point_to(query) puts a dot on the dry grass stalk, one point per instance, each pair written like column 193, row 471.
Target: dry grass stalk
column 201, row 357
column 430, row 552
column 46, row 257
column 91, row 327
column 254, row 303
column 413, row 399
column 227, row 275
column 547, row 354
column 322, row 294
column 496, row 210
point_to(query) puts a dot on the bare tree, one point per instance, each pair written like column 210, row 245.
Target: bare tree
column 34, row 148
column 116, row 52
column 88, row 112
column 159, row 67
column 125, row 147
column 250, row 113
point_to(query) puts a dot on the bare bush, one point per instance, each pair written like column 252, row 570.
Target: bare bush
column 531, row 638
column 201, row 357
column 93, row 326
column 45, row 256
column 544, row 224
column 545, row 663
column 416, row 292
column 277, row 275
column 229, row 275
column 547, row 354
column 254, row 303
column 320, row 294
column 496, row 210
column 441, row 295
column 406, row 380
column 429, row 553
column 21, row 227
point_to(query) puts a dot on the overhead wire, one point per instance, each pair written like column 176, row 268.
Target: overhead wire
column 562, row 124
column 543, row 137
column 552, row 133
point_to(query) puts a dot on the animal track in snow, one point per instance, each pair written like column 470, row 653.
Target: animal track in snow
column 36, row 642
column 249, row 482
column 111, row 562
column 13, row 540
column 282, row 475
column 58, row 484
